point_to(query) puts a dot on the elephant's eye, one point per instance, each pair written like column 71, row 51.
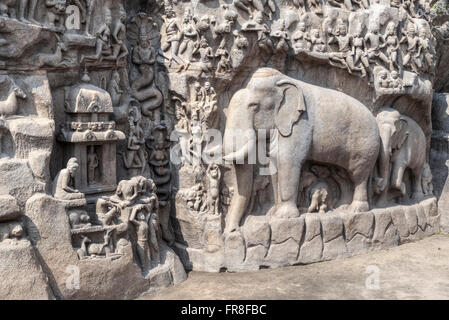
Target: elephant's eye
column 253, row 106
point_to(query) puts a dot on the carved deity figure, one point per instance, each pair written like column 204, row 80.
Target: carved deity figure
column 426, row 51
column 392, row 44
column 63, row 185
column 317, row 42
column 135, row 156
column 224, row 64
column 182, row 130
column 206, row 56
column 197, row 139
column 114, row 88
column 360, row 59
column 395, row 82
column 373, row 45
column 92, row 165
column 214, row 174
column 412, row 57
column 190, row 37
column 263, row 32
column 344, row 40
column 139, row 220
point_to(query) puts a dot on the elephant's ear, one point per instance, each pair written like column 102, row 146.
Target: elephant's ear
column 400, row 134
column 291, row 107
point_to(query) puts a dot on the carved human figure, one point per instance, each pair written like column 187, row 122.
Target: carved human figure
column 209, row 107
column 114, row 88
column 360, row 59
column 263, row 31
column 395, row 82
column 282, row 37
column 392, row 44
column 135, row 156
column 411, row 58
column 301, row 40
column 27, row 9
column 103, row 44
column 86, row 7
column 92, row 165
column 259, row 5
column 373, row 45
column 426, row 52
column 224, row 64
column 190, row 37
column 214, row 174
column 174, row 34
column 197, row 139
column 426, row 179
column 139, row 219
column 55, row 12
column 119, row 35
column 343, row 39
column 206, row 56
column 63, row 184
column 182, row 130
column 318, row 44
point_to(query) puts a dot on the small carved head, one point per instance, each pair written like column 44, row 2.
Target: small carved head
column 20, row 93
column 73, row 166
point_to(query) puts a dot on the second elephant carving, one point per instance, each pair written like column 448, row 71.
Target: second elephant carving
column 313, row 123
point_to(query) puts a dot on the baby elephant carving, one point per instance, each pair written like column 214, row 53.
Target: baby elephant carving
column 403, row 145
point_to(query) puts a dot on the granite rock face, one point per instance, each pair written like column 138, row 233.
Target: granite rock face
column 142, row 138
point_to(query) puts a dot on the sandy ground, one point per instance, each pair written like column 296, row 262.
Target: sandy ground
column 418, row 270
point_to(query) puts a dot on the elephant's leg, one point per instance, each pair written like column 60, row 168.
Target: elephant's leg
column 417, row 185
column 360, row 199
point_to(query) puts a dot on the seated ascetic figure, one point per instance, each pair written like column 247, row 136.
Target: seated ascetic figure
column 63, row 184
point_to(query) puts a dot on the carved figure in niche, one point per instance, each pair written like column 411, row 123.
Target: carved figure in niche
column 259, row 5
column 403, row 146
column 301, row 40
column 206, row 56
column 63, row 184
column 10, row 106
column 119, row 48
column 114, row 88
column 86, row 7
column 395, row 82
column 135, row 156
column 318, row 44
column 343, row 39
column 96, row 249
column 411, row 58
column 143, row 88
column 224, row 64
column 190, row 37
column 373, row 45
column 27, row 10
column 92, row 165
column 426, row 51
column 174, row 35
column 103, row 45
column 392, row 44
column 214, row 174
column 55, row 12
column 182, row 130
column 426, row 179
column 319, row 198
column 263, row 31
column 267, row 88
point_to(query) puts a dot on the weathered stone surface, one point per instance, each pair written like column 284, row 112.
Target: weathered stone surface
column 358, row 245
column 234, row 250
column 284, row 229
column 282, row 254
column 412, row 219
column 421, row 215
column 256, row 231
column 255, row 257
column 399, row 221
column 311, row 251
column 313, row 226
column 9, row 208
column 21, row 272
column 334, row 249
column 332, row 225
column 382, row 219
column 360, row 222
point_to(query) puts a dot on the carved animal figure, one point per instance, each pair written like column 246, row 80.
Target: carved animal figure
column 312, row 123
column 52, row 59
column 403, row 146
column 10, row 106
column 99, row 249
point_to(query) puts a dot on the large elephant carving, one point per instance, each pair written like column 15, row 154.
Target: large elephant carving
column 313, row 123
column 403, row 146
